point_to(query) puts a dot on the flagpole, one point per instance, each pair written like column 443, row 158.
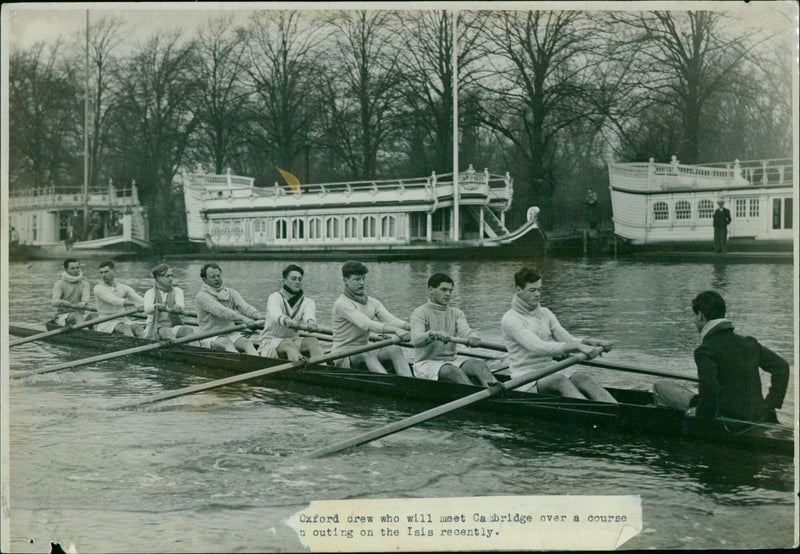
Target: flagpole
column 456, row 192
column 86, row 136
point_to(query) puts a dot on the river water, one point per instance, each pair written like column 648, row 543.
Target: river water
column 221, row 470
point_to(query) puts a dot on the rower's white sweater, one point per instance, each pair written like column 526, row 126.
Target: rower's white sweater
column 533, row 339
column 279, row 313
column 111, row 299
column 353, row 321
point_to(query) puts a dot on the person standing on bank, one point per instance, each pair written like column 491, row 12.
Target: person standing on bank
column 111, row 296
column 355, row 314
column 71, row 291
column 431, row 325
column 591, row 206
column 289, row 306
column 722, row 218
column 161, row 304
column 534, row 336
column 219, row 307
column 727, row 370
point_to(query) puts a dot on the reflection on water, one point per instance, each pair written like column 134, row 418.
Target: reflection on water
column 80, row 466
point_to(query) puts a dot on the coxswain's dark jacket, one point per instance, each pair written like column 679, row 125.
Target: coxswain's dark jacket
column 722, row 218
column 730, row 383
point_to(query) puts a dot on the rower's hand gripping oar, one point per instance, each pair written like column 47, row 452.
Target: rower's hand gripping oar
column 455, row 404
column 68, row 328
column 135, row 350
column 264, row 371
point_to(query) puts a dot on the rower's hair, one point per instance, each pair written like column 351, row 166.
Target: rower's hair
column 70, row 261
column 438, row 278
column 353, row 268
column 289, row 268
column 160, row 270
column 710, row 304
column 206, row 267
column 526, row 275
column 106, row 263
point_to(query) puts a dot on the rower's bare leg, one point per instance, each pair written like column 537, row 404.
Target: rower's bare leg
column 394, row 355
column 138, row 330
column 245, row 346
column 453, row 374
column 124, row 329
column 477, row 371
column 184, row 331
column 311, row 346
column 224, row 343
column 559, row 385
column 591, row 388
column 166, row 333
column 369, row 359
column 288, row 349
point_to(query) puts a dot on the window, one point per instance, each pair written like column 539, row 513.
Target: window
column 741, row 207
column 787, row 213
column 332, row 228
column 705, row 209
column 387, row 226
column 298, row 229
column 281, row 229
column 782, row 206
column 34, row 227
column 314, row 228
column 368, row 227
column 754, row 207
column 660, row 211
column 441, row 220
column 683, row 210
column 350, row 227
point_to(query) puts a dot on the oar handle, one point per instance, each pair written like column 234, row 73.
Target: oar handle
column 454, row 405
column 66, row 329
column 176, row 311
column 262, row 372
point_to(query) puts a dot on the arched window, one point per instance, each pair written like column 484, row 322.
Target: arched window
column 332, row 228
column 683, row 210
column 660, row 211
column 350, row 227
column 368, row 227
column 314, row 228
column 281, row 229
column 705, row 209
column 388, row 226
column 298, row 228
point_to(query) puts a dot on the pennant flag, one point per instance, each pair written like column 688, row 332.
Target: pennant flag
column 291, row 180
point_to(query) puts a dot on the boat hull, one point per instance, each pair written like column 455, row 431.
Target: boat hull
column 634, row 412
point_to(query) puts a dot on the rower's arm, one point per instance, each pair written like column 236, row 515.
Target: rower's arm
column 352, row 314
column 275, row 309
column 209, row 304
column 708, row 384
column 310, row 311
column 103, row 294
column 463, row 329
column 778, row 368
column 530, row 341
column 243, row 306
column 388, row 317
column 149, row 301
column 419, row 331
column 56, row 298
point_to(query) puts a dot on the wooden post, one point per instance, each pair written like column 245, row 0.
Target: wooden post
column 585, row 241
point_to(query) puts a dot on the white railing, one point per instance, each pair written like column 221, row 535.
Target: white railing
column 72, row 196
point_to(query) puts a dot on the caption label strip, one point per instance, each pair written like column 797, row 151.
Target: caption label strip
column 470, row 523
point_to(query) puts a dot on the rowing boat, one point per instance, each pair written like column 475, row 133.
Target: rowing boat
column 635, row 411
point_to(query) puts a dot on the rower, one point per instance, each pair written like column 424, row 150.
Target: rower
column 534, row 336
column 218, row 307
column 431, row 326
column 289, row 306
column 355, row 314
column 165, row 300
column 727, row 371
column 111, row 296
column 70, row 294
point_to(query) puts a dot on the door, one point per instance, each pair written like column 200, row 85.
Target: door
column 746, row 217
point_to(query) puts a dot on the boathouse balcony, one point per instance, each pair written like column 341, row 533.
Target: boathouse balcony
column 71, row 197
column 674, row 176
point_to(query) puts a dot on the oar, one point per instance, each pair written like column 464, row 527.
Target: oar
column 72, row 328
column 176, row 311
column 455, row 404
column 135, row 350
column 261, row 372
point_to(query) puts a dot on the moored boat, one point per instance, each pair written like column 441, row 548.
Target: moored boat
column 390, row 219
column 673, row 203
column 635, row 412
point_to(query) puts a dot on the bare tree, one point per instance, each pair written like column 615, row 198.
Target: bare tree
column 222, row 94
column 360, row 90
column 43, row 122
column 153, row 121
column 282, row 69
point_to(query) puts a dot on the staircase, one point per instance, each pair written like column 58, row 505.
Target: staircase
column 492, row 226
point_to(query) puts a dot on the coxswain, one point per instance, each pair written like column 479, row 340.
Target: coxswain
column 71, row 294
column 111, row 296
column 355, row 315
column 166, row 300
column 219, row 307
column 729, row 382
column 534, row 336
column 286, row 308
column 431, row 326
